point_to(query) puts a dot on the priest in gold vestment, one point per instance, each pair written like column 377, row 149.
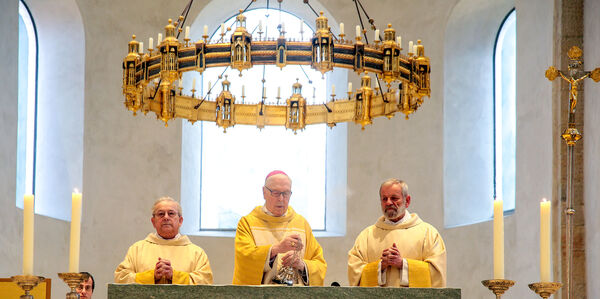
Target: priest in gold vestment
column 165, row 257
column 275, row 236
column 399, row 250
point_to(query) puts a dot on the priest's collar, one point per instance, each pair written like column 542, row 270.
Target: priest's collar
column 264, row 209
column 404, row 219
column 174, row 238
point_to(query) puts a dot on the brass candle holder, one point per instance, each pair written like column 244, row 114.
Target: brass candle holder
column 545, row 289
column 73, row 280
column 27, row 283
column 498, row 286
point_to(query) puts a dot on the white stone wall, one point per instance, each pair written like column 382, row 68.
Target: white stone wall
column 130, row 161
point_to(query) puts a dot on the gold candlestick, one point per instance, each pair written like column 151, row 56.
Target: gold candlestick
column 27, row 283
column 73, row 280
column 498, row 286
column 545, row 289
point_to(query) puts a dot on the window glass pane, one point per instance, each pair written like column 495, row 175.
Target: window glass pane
column 27, row 62
column 505, row 126
column 234, row 164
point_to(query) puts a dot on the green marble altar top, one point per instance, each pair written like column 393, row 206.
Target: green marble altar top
column 130, row 291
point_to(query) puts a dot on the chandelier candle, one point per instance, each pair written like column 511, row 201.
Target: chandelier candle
column 545, row 208
column 28, row 204
column 75, row 232
column 498, row 239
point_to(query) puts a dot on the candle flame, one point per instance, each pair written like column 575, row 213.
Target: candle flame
column 75, row 190
column 544, row 199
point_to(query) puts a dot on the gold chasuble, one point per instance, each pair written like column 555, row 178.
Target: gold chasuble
column 189, row 262
column 419, row 244
column 255, row 235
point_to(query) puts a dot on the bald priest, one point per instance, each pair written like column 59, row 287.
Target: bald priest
column 400, row 249
column 165, row 257
column 274, row 244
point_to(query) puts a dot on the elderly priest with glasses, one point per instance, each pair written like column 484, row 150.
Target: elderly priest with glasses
column 400, row 249
column 165, row 257
column 274, row 245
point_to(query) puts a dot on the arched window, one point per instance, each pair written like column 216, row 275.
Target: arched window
column 231, row 166
column 505, row 112
column 27, row 103
column 479, row 111
column 50, row 110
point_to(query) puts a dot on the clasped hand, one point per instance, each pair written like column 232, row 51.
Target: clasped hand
column 163, row 269
column 391, row 257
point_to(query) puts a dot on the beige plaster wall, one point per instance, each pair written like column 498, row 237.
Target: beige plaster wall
column 130, row 161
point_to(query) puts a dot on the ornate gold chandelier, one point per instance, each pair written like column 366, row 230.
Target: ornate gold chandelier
column 323, row 52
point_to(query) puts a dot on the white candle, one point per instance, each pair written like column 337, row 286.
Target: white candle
column 259, row 25
column 498, row 239
column 194, row 84
column 75, row 232
column 333, row 88
column 28, row 205
column 341, row 28
column 282, row 27
column 222, row 28
column 349, row 86
column 159, row 40
column 141, row 47
column 264, row 92
column 187, row 32
column 410, row 46
column 357, row 31
column 314, row 89
column 243, row 90
column 377, row 34
column 209, row 86
column 205, row 30
column 150, row 43
column 399, row 41
column 545, row 209
column 180, row 84
column 278, row 91
column 415, row 49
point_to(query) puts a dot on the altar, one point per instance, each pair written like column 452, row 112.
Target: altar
column 131, row 291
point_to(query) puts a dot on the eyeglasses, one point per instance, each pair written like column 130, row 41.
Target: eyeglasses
column 161, row 214
column 285, row 194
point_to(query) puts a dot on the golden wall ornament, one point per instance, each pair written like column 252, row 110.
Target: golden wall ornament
column 323, row 52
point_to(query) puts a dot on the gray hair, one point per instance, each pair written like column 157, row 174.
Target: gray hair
column 394, row 181
column 169, row 199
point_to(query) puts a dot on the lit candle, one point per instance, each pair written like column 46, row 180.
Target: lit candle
column 150, row 43
column 498, row 239
column 357, row 31
column 341, row 28
column 377, row 34
column 410, row 46
column 141, row 47
column 187, row 32
column 194, row 84
column 333, row 88
column 399, row 41
column 75, row 231
column 205, row 30
column 28, row 234
column 159, row 40
column 545, row 208
column 243, row 90
column 349, row 86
